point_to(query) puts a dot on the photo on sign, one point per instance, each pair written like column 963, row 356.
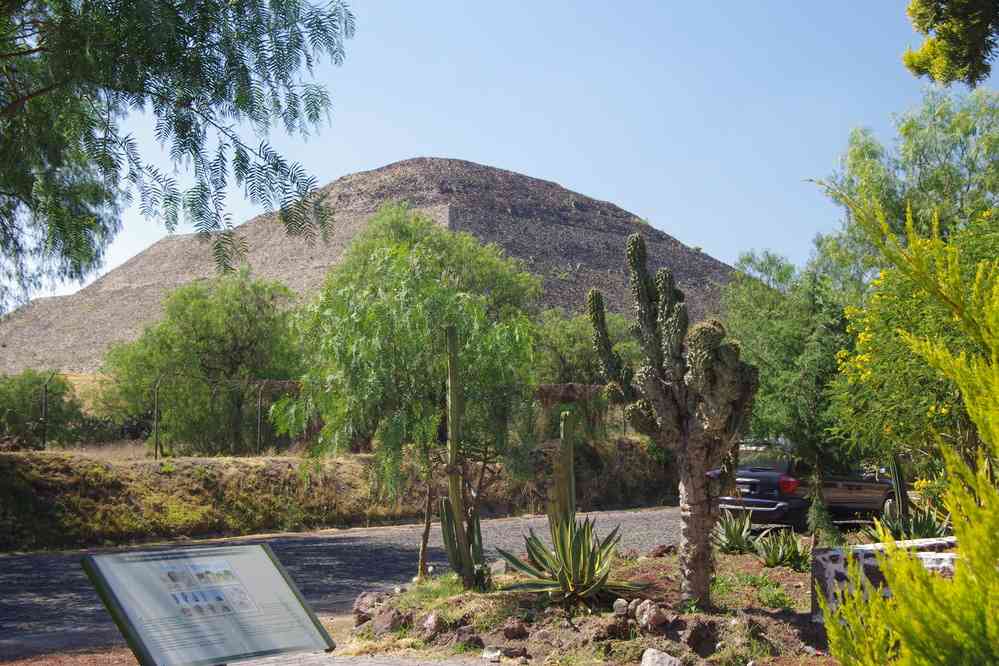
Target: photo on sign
column 176, row 576
column 213, row 572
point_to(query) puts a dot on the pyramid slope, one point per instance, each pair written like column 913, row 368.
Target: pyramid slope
column 571, row 241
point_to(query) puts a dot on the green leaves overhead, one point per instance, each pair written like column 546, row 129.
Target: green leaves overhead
column 207, row 73
column 961, row 39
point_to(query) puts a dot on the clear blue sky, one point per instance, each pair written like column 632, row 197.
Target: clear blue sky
column 704, row 117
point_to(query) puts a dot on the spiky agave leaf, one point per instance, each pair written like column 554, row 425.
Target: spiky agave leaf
column 576, row 569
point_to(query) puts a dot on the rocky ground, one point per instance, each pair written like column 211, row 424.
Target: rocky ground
column 760, row 615
column 49, row 608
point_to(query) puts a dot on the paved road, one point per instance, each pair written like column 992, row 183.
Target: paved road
column 47, row 605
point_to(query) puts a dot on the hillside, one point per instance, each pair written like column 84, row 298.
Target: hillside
column 571, row 241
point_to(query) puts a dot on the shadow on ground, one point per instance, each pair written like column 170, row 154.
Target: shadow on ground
column 48, row 604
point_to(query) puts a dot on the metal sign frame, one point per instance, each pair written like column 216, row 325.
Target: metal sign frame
column 133, row 636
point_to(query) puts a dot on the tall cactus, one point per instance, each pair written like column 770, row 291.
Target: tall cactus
column 692, row 395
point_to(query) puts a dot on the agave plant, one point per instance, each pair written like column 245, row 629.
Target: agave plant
column 782, row 548
column 576, row 569
column 923, row 522
column 733, row 533
column 482, row 576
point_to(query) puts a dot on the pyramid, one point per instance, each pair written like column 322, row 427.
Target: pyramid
column 572, row 242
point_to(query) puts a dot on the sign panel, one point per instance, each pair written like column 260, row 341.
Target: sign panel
column 205, row 606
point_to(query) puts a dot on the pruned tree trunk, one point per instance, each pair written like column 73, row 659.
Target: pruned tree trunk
column 456, row 493
column 428, row 510
column 698, row 511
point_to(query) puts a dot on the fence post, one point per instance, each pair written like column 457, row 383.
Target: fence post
column 156, row 418
column 260, row 393
column 45, row 411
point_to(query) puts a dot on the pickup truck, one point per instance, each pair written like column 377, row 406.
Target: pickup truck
column 777, row 491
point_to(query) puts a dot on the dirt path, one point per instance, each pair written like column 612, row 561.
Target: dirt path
column 48, row 606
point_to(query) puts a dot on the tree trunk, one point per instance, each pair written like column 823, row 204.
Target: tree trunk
column 698, row 512
column 454, row 476
column 428, row 509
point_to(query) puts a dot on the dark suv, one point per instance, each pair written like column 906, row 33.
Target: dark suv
column 775, row 490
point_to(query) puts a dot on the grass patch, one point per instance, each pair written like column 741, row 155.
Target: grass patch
column 429, row 594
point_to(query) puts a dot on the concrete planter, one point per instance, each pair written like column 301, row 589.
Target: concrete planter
column 829, row 566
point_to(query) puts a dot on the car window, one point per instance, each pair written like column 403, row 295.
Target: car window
column 763, row 460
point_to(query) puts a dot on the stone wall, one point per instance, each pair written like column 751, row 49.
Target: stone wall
column 829, row 566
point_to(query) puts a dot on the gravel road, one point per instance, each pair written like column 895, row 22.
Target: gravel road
column 47, row 604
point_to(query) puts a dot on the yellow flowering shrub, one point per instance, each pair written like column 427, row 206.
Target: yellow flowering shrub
column 931, row 619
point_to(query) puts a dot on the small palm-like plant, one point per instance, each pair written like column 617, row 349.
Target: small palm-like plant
column 922, row 522
column 782, row 548
column 733, row 533
column 575, row 571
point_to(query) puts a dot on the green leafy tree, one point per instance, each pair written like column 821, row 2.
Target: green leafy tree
column 961, row 37
column 375, row 352
column 693, row 396
column 945, row 163
column 930, row 619
column 789, row 324
column 889, row 399
column 204, row 366
column 565, row 352
column 204, row 70
column 38, row 406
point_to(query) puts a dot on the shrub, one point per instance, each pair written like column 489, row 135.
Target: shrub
column 21, row 410
column 930, row 619
column 782, row 548
column 212, row 365
column 733, row 533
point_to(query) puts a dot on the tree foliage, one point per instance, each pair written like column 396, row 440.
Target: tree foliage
column 374, row 341
column 961, row 38
column 945, row 163
column 209, row 356
column 890, row 399
column 930, row 619
column 789, row 324
column 203, row 70
column 23, row 416
column 565, row 352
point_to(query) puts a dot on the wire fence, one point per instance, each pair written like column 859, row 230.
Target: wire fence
column 213, row 416
column 182, row 413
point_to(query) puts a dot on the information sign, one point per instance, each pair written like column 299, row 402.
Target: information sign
column 205, row 606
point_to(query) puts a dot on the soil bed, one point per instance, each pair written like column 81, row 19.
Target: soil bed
column 760, row 615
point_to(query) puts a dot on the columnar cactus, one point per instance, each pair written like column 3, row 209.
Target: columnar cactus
column 692, row 395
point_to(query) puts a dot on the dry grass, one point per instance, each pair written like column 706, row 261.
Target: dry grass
column 122, row 450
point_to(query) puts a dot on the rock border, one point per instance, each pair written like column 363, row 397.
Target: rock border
column 829, row 566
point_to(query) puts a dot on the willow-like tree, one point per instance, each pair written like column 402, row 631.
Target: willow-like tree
column 209, row 73
column 375, row 352
column 692, row 395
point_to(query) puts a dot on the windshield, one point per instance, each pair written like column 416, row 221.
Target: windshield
column 763, row 460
